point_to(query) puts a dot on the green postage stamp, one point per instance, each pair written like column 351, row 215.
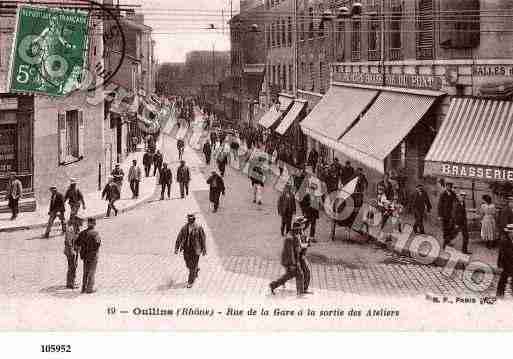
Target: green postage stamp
column 49, row 50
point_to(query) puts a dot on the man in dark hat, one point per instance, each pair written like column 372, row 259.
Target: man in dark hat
column 445, row 205
column 89, row 242
column 191, row 241
column 421, row 205
column 183, row 177
column 56, row 210
column 505, row 260
column 166, row 179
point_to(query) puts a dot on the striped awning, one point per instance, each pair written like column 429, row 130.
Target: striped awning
column 474, row 141
column 291, row 116
column 337, row 111
column 270, row 117
column 382, row 128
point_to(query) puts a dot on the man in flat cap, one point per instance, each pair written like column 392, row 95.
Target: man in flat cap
column 56, row 210
column 505, row 260
column 191, row 241
column 89, row 242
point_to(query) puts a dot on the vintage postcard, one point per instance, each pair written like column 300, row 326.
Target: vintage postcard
column 256, row 165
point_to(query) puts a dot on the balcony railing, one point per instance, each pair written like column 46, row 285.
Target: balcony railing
column 355, row 55
column 395, row 54
column 374, row 55
column 424, row 52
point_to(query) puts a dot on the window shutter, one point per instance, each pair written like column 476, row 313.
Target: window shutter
column 81, row 130
column 459, row 24
column 61, row 134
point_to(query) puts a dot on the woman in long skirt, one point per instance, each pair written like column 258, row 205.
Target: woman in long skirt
column 488, row 221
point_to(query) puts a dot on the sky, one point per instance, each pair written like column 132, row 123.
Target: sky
column 180, row 26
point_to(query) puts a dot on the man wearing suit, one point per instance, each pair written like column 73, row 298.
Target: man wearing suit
column 14, row 190
column 459, row 214
column 191, row 241
column 290, row 259
column 166, row 179
column 89, row 242
column 505, row 260
column 56, row 210
column 420, row 205
column 134, row 177
column 445, row 205
column 183, row 176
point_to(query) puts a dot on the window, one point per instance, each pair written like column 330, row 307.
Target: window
column 425, row 29
column 267, row 7
column 311, row 23
column 459, row 24
column 283, row 33
column 289, row 31
column 321, row 77
column 321, row 23
column 274, row 75
column 291, row 77
column 395, row 33
column 267, row 36
column 71, row 135
column 374, row 38
column 356, row 40
column 312, row 76
column 340, row 41
column 284, row 77
column 302, row 27
column 278, row 33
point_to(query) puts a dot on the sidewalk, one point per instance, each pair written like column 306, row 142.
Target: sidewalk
column 95, row 205
column 358, row 244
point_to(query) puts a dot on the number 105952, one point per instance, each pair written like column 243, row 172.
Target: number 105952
column 51, row 348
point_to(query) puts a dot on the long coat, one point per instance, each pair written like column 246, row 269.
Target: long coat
column 420, row 202
column 89, row 242
column 445, row 204
column 505, row 259
column 216, row 187
column 183, row 174
column 286, row 204
column 310, row 205
column 459, row 214
column 57, row 203
column 505, row 217
column 197, row 237
column 166, row 176
column 290, row 252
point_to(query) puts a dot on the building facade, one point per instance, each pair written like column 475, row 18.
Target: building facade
column 45, row 140
column 406, row 72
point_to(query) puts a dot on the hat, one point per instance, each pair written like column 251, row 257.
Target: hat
column 53, row 187
column 118, row 164
column 191, row 216
column 462, row 193
column 508, row 228
column 73, row 180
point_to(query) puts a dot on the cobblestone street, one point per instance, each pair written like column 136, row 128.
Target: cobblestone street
column 243, row 253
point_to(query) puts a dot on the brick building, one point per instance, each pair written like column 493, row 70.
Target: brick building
column 427, row 98
column 247, row 61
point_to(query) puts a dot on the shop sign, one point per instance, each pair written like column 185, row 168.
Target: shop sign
column 395, row 80
column 477, row 172
column 7, row 149
column 492, row 70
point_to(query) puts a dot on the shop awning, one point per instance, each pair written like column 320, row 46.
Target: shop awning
column 337, row 111
column 388, row 121
column 291, row 116
column 474, row 141
column 270, row 117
